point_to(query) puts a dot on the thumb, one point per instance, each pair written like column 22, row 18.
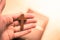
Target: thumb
column 2, row 5
column 22, row 33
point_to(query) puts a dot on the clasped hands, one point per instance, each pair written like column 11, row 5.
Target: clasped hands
column 10, row 29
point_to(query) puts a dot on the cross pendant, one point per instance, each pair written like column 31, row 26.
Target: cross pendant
column 22, row 20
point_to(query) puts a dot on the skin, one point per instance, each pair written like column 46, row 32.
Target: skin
column 37, row 33
column 12, row 32
column 11, row 28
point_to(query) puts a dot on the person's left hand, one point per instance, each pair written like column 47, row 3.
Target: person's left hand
column 36, row 33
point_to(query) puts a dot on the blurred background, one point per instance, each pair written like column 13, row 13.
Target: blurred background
column 49, row 8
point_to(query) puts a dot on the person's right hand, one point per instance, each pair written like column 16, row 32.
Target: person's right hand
column 14, row 32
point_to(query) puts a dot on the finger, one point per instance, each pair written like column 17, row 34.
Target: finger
column 9, row 20
column 31, row 21
column 16, row 28
column 29, row 16
column 17, row 15
column 29, row 26
column 10, row 31
column 26, row 27
column 15, row 23
column 22, row 33
column 2, row 5
column 10, row 27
